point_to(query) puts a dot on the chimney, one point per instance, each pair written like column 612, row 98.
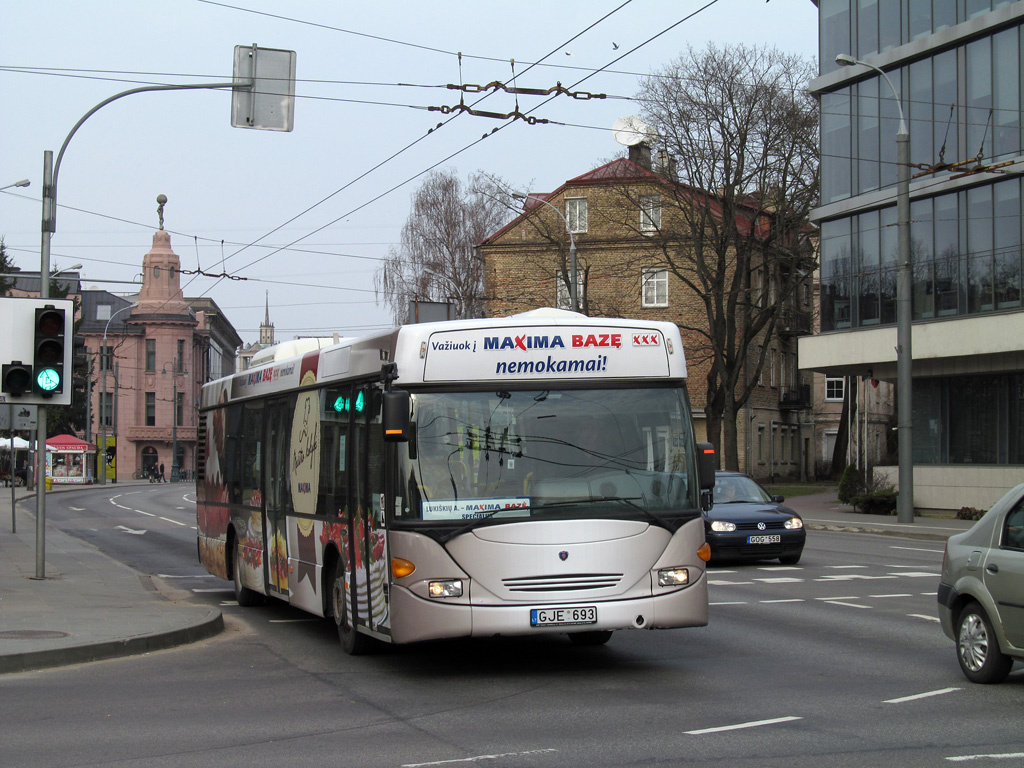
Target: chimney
column 641, row 155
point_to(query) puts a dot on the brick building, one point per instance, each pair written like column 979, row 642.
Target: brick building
column 617, row 213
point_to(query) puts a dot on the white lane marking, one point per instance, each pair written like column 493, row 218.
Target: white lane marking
column 844, row 597
column 479, row 758
column 738, row 726
column 787, row 600
column 848, row 605
column 779, row 568
column 144, row 512
column 846, row 566
column 924, row 616
column 907, row 594
column 917, row 574
column 722, row 583
column 854, row 577
column 738, row 602
column 779, row 580
column 126, row 529
column 176, row 522
column 723, row 571
column 919, row 549
column 1003, row 756
column 77, row 509
column 917, row 696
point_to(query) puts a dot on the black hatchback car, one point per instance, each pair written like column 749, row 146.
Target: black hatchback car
column 746, row 523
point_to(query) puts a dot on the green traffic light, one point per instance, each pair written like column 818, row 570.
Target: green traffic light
column 48, row 379
column 340, row 404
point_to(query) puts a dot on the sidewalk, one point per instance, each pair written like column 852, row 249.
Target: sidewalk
column 89, row 606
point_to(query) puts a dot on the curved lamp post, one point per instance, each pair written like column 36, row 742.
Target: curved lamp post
column 904, row 314
column 103, row 408
column 573, row 293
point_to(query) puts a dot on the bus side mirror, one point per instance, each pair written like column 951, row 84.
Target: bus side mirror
column 706, row 465
column 395, row 417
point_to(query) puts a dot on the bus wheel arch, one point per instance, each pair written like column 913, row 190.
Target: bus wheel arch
column 244, row 596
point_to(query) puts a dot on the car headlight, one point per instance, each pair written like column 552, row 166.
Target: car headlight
column 794, row 524
column 445, row 588
column 673, row 577
column 721, row 526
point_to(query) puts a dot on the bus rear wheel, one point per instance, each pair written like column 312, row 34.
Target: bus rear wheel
column 243, row 595
column 596, row 637
column 352, row 642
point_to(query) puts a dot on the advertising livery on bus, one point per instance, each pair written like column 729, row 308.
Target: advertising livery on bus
column 516, row 476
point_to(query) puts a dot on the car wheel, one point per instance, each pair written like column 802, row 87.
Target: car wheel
column 352, row 642
column 597, row 637
column 243, row 595
column 977, row 648
column 791, row 559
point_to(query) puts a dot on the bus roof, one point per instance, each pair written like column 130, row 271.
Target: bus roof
column 544, row 345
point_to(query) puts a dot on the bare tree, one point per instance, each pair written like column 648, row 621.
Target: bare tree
column 436, row 259
column 741, row 133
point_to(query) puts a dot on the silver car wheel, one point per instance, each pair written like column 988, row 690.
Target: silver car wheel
column 974, row 642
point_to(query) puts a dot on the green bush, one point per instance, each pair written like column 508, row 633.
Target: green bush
column 969, row 513
column 877, row 502
column 850, row 484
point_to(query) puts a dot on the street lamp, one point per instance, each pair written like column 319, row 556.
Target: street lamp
column 103, row 409
column 904, row 314
column 175, row 474
column 573, row 297
column 22, row 183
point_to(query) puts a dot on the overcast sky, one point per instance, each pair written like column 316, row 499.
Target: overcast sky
column 326, row 201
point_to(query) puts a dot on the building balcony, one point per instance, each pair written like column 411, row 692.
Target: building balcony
column 139, row 434
column 793, row 323
column 796, row 398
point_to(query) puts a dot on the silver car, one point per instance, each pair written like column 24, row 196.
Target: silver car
column 981, row 592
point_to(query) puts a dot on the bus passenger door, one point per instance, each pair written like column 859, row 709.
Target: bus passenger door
column 370, row 557
column 277, row 420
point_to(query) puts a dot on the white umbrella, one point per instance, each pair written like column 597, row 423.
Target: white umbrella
column 20, row 444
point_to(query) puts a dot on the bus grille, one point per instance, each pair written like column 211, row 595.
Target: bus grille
column 567, row 582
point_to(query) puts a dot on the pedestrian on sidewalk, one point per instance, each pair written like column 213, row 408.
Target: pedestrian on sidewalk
column 162, row 478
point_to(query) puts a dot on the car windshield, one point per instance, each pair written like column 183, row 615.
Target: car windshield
column 737, row 489
column 566, row 453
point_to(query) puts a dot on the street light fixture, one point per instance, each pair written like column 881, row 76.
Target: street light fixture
column 22, row 183
column 103, row 405
column 573, row 293
column 904, row 313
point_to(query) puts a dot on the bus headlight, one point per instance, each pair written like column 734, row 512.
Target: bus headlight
column 721, row 526
column 673, row 577
column 445, row 588
column 794, row 524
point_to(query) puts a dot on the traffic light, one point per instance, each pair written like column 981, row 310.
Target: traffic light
column 48, row 368
column 17, row 378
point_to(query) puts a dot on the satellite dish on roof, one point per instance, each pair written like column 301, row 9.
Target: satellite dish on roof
column 630, row 131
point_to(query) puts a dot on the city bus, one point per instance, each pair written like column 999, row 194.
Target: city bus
column 472, row 478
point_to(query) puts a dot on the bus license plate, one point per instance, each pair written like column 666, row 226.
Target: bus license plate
column 772, row 539
column 563, row 617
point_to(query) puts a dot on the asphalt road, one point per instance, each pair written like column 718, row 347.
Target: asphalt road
column 838, row 661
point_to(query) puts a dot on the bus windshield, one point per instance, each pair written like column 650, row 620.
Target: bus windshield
column 571, row 453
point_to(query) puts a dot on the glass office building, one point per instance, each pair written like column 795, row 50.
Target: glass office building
column 957, row 65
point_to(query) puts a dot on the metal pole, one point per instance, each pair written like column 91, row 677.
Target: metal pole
column 44, row 293
column 174, row 429
column 13, row 469
column 904, row 307
column 904, row 325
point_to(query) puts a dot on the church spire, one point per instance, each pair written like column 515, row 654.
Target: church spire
column 267, row 329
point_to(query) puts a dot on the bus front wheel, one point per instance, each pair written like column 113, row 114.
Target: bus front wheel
column 352, row 642
column 243, row 595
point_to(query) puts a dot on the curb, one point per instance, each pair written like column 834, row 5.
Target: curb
column 876, row 531
column 208, row 626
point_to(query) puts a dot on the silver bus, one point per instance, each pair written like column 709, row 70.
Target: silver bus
column 515, row 476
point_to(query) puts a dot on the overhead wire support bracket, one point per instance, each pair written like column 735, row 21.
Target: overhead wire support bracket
column 500, row 86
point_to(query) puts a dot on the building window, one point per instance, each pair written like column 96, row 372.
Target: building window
column 179, row 408
column 650, row 213
column 150, row 355
column 562, row 298
column 106, row 409
column 760, row 443
column 106, row 358
column 180, row 362
column 576, row 213
column 102, row 312
column 151, row 409
column 654, row 291
column 835, row 388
